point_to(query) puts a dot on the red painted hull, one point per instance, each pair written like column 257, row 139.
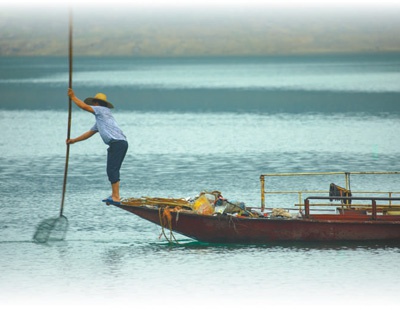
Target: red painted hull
column 228, row 229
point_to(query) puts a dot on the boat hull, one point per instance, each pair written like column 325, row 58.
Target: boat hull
column 230, row 229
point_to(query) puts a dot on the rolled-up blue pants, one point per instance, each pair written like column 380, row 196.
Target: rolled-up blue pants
column 115, row 156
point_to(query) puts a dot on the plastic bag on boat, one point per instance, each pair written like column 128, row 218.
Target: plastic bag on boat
column 203, row 206
column 235, row 207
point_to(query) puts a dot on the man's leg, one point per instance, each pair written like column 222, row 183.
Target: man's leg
column 115, row 191
column 116, row 154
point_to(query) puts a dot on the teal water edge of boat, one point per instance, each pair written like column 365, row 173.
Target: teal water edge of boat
column 339, row 214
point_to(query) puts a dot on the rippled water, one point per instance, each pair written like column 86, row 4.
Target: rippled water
column 111, row 258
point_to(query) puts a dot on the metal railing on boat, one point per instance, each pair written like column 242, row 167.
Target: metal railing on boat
column 374, row 208
column 347, row 181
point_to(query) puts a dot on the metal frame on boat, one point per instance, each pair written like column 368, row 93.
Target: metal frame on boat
column 349, row 216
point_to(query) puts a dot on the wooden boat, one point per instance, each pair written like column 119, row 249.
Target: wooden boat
column 350, row 221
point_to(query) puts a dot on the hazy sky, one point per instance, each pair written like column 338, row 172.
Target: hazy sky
column 191, row 27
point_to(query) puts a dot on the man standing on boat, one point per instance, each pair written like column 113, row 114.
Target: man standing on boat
column 111, row 134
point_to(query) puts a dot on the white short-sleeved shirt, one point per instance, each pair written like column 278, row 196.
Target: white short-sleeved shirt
column 106, row 125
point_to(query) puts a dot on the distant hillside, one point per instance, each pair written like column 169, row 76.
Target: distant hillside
column 182, row 33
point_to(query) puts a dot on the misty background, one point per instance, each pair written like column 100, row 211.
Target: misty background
column 199, row 31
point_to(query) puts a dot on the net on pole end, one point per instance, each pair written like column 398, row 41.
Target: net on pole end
column 52, row 229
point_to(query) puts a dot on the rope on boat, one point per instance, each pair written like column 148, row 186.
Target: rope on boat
column 165, row 206
column 165, row 217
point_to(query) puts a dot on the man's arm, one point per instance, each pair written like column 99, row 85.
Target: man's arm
column 79, row 102
column 82, row 137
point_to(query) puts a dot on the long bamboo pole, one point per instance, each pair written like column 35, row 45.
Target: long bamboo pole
column 69, row 112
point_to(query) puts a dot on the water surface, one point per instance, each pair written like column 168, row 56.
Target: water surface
column 209, row 138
